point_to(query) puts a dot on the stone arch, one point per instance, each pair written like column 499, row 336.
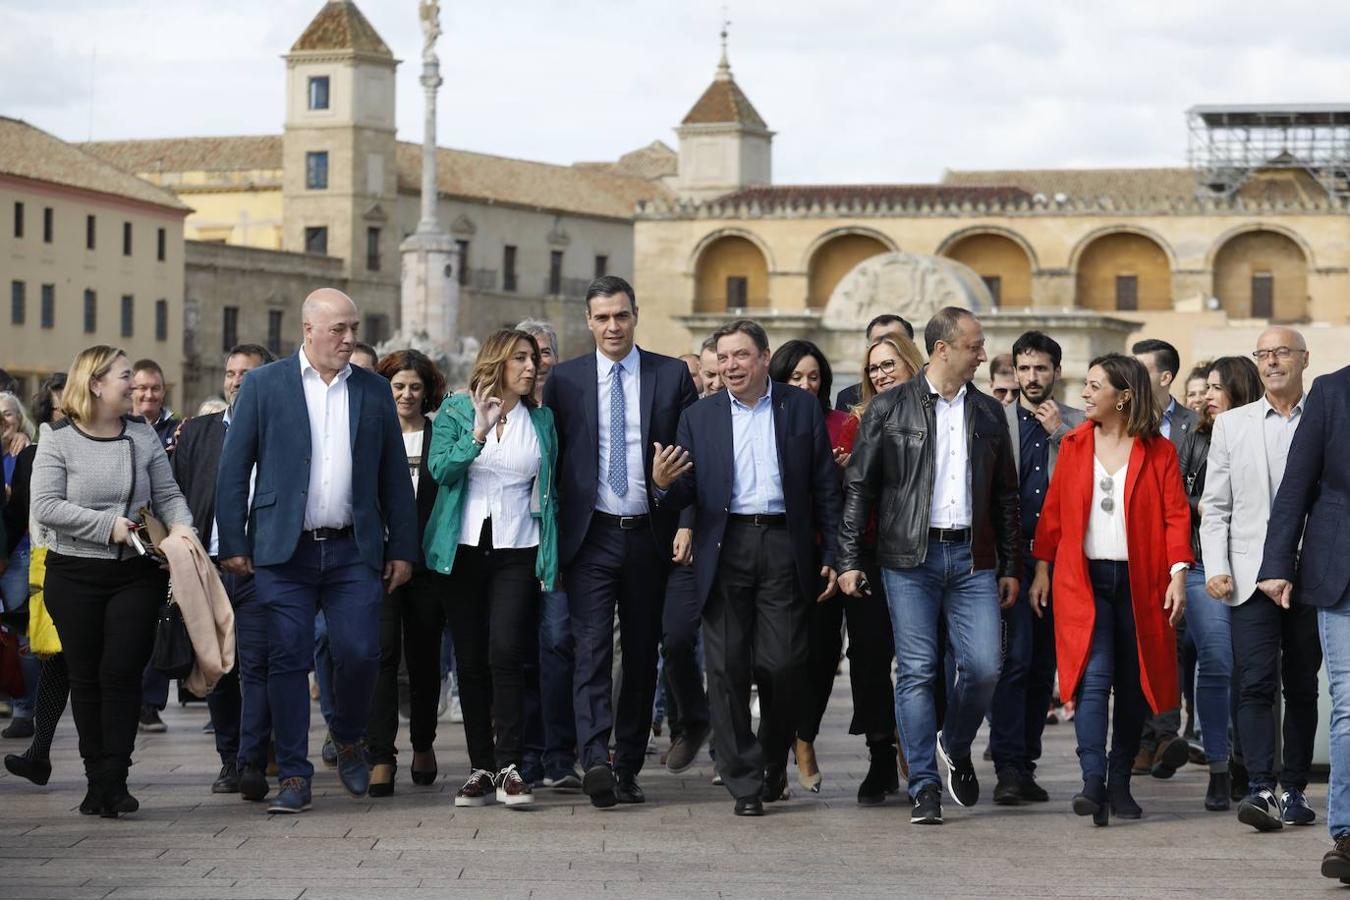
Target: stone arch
column 731, row 270
column 1123, row 269
column 834, row 254
column 1261, row 273
column 1002, row 259
column 1231, row 233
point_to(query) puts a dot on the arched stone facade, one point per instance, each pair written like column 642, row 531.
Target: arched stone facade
column 1002, row 262
column 1122, row 271
column 730, row 272
column 834, row 257
column 1262, row 274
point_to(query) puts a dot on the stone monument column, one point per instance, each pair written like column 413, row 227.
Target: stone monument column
column 430, row 291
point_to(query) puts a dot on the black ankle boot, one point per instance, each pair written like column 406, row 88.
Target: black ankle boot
column 1122, row 801
column 883, row 774
column 111, row 784
column 1092, row 801
column 37, row 771
column 1217, row 797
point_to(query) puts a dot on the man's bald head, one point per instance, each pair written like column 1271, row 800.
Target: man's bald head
column 331, row 320
column 1282, row 335
column 326, row 300
column 1281, row 357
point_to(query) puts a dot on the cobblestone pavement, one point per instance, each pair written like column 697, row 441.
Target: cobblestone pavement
column 684, row 842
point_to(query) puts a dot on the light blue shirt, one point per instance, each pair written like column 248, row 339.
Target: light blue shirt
column 635, row 502
column 757, row 483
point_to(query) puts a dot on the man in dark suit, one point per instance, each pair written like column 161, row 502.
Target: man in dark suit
column 1310, row 508
column 764, row 491
column 884, row 325
column 613, row 544
column 196, row 464
column 324, row 499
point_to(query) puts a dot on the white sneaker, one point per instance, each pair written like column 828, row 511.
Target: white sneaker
column 513, row 790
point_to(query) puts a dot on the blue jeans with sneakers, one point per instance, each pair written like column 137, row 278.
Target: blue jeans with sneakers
column 1333, row 625
column 942, row 587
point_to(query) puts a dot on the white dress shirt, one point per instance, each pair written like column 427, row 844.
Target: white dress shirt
column 501, row 484
column 329, row 501
column 1105, row 537
column 635, row 503
column 1279, row 434
column 950, row 506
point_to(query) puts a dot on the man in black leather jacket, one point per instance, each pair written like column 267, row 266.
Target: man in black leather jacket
column 934, row 460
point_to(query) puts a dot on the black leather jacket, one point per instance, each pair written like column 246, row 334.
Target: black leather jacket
column 893, row 460
column 1192, row 456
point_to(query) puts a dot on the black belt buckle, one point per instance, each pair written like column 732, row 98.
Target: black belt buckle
column 629, row 523
column 319, row 535
column 949, row 535
column 760, row 520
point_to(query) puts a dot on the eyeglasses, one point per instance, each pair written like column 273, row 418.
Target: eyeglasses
column 886, row 367
column 1280, row 353
column 1108, row 486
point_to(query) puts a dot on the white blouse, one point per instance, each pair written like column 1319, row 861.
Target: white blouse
column 412, row 446
column 500, row 486
column 1105, row 538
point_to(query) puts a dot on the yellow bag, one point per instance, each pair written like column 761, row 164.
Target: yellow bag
column 42, row 637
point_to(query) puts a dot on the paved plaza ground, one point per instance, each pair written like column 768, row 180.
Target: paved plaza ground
column 187, row 843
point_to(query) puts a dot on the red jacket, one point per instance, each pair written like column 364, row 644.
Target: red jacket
column 1158, row 534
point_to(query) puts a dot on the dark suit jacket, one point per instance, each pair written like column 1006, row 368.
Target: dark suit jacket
column 848, row 398
column 806, row 465
column 1184, row 420
column 270, row 427
column 572, row 392
column 1314, row 500
column 196, row 463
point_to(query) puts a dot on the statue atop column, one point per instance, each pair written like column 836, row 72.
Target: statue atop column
column 429, row 11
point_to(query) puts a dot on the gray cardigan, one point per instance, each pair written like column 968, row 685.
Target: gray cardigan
column 82, row 484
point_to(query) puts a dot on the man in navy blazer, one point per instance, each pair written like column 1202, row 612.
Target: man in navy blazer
column 755, row 461
column 1311, row 507
column 332, row 525
column 614, row 544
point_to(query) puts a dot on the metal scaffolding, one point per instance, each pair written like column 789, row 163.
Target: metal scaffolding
column 1228, row 144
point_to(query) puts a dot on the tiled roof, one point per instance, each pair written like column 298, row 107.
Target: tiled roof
column 724, row 103
column 656, row 160
column 28, row 152
column 207, row 154
column 1123, row 185
column 341, row 26
column 891, row 194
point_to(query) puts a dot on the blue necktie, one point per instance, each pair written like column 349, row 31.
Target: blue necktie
column 618, row 429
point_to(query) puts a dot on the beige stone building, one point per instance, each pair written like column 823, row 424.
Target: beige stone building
column 88, row 255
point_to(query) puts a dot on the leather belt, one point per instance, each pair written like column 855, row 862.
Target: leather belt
column 328, row 534
column 760, row 520
column 627, row 523
column 949, row 535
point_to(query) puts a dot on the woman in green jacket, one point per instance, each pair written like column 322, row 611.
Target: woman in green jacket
column 494, row 531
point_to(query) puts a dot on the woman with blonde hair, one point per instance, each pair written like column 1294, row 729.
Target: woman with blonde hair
column 95, row 471
column 494, row 531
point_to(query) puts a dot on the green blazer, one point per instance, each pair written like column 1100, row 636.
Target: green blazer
column 452, row 451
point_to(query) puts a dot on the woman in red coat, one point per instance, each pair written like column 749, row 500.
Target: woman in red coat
column 1116, row 525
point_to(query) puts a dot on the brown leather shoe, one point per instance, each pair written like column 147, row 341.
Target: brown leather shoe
column 1172, row 755
column 512, row 789
column 479, row 790
column 1143, row 762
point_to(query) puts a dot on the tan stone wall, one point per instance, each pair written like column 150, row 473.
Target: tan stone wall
column 731, row 257
column 31, row 351
column 1266, row 253
column 996, row 256
column 1111, row 257
column 833, row 260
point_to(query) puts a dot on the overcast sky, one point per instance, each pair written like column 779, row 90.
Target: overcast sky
column 882, row 91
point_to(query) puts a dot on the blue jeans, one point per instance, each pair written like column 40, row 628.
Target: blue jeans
column 1025, row 684
column 1113, row 663
column 556, row 662
column 1208, row 624
column 323, row 669
column 14, row 594
column 238, row 706
column 1333, row 625
column 942, row 586
column 329, row 576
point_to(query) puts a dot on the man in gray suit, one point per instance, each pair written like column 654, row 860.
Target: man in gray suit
column 1036, row 423
column 1161, row 751
column 1271, row 644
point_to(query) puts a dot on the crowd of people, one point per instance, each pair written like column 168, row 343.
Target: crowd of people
column 624, row 531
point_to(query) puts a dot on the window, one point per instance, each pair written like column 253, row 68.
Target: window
column 161, row 320
column 316, row 170
column 463, row 247
column 48, row 223
column 995, row 285
column 509, row 268
column 375, row 330
column 89, row 232
column 48, row 312
column 1263, row 295
column 90, row 312
column 274, row 319
column 601, row 266
column 318, row 92
column 373, row 249
column 18, row 219
column 126, row 238
column 18, row 302
column 128, row 314
column 1127, row 292
column 555, row 272
column 161, row 242
column 229, row 328
column 738, row 287
column 316, row 240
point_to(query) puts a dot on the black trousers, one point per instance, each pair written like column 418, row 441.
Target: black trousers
column 686, row 700
column 754, row 626
column 105, row 611
column 1167, row 724
column 1271, row 645
column 621, row 569
column 493, row 611
column 412, row 619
